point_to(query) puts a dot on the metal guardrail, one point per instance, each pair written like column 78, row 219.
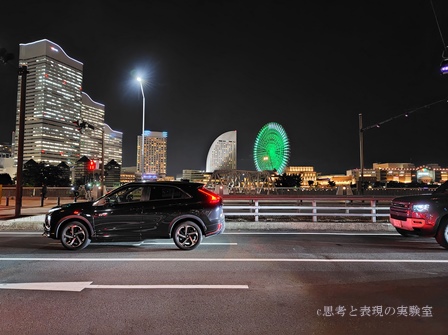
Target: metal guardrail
column 314, row 208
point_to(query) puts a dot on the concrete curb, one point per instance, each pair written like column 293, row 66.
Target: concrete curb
column 310, row 226
column 34, row 223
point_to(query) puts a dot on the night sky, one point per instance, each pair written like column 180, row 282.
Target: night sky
column 216, row 66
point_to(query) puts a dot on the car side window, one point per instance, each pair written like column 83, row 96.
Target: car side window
column 166, row 193
column 133, row 194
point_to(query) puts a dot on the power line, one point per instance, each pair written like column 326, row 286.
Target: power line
column 438, row 26
column 406, row 114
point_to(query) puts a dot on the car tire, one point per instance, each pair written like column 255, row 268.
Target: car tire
column 187, row 235
column 74, row 236
column 405, row 233
column 442, row 234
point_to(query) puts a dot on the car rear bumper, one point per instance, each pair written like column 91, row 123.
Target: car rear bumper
column 216, row 229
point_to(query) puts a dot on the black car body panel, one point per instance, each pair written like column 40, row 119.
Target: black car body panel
column 141, row 210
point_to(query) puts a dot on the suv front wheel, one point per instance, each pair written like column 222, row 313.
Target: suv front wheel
column 74, row 236
column 187, row 235
column 442, row 234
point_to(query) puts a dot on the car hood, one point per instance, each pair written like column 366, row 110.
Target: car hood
column 422, row 197
column 75, row 206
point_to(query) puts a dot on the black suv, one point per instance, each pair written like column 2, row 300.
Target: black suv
column 137, row 211
column 422, row 215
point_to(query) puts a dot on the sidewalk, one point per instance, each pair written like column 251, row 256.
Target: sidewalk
column 30, row 206
column 32, row 214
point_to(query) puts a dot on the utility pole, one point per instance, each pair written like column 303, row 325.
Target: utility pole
column 102, row 161
column 361, row 157
column 23, row 71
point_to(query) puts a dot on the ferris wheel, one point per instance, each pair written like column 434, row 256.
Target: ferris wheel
column 271, row 149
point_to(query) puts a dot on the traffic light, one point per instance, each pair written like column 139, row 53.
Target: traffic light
column 81, row 125
column 91, row 166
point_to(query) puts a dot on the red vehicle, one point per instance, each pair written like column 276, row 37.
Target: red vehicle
column 422, row 215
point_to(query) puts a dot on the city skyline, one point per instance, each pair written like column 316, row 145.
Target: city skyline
column 214, row 67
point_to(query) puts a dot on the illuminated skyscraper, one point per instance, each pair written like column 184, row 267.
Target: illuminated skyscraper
column 113, row 145
column 53, row 101
column 222, row 153
column 155, row 152
column 91, row 139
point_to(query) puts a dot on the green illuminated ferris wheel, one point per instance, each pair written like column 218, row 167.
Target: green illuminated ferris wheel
column 271, row 149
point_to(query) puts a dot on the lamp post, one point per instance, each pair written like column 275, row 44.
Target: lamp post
column 142, row 144
column 361, row 157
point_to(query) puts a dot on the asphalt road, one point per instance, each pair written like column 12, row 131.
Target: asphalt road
column 236, row 283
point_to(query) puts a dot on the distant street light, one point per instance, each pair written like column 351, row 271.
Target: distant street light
column 142, row 144
column 444, row 66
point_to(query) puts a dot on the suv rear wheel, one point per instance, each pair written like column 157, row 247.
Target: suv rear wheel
column 442, row 234
column 187, row 235
column 74, row 236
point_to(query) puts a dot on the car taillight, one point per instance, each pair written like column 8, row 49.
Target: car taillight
column 212, row 198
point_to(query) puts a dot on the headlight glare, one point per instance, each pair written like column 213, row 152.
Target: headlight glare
column 420, row 208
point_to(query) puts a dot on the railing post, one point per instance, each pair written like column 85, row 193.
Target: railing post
column 314, row 204
column 256, row 210
column 59, row 201
column 373, row 205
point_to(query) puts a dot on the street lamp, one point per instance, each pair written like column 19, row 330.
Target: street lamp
column 361, row 157
column 142, row 144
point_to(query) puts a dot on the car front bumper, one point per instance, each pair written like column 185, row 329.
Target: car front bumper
column 419, row 226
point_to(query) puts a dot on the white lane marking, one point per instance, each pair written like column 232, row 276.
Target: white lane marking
column 172, row 243
column 314, row 233
column 20, row 233
column 232, row 287
column 298, row 260
column 67, row 286
column 251, row 233
column 79, row 286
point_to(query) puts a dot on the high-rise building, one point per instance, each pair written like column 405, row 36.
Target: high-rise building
column 155, row 154
column 113, row 145
column 53, row 102
column 222, row 153
column 91, row 137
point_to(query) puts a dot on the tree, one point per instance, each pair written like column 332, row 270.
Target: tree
column 36, row 174
column 5, row 179
column 310, row 183
column 31, row 174
column 284, row 180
